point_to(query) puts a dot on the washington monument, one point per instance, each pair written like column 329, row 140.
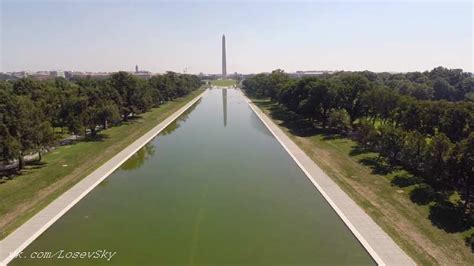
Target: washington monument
column 224, row 63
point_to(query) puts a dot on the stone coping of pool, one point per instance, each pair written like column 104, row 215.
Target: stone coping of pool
column 19, row 239
column 377, row 243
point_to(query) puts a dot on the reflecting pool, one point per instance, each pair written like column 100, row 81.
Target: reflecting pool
column 214, row 188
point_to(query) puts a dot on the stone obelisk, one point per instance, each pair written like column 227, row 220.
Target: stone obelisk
column 224, row 63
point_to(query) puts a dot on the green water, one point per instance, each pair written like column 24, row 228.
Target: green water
column 215, row 188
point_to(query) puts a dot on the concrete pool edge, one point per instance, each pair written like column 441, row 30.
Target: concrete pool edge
column 378, row 244
column 18, row 240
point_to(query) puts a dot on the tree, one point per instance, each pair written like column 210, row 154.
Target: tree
column 443, row 90
column 127, row 87
column 277, row 80
column 22, row 122
column 257, row 85
column 43, row 137
column 28, row 87
column 391, row 143
column 455, row 120
column 339, row 120
column 380, row 103
column 422, row 91
column 367, row 135
column 461, row 165
column 9, row 146
column 29, row 109
column 321, row 97
column 413, row 150
column 108, row 112
column 436, row 158
column 350, row 91
column 72, row 111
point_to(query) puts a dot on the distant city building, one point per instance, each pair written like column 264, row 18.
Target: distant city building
column 68, row 74
column 142, row 74
column 57, row 74
column 92, row 75
column 41, row 75
column 47, row 75
column 311, row 73
column 18, row 74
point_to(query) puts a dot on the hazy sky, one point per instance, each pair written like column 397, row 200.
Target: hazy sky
column 261, row 36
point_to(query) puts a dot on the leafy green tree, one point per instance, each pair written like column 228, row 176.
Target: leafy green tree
column 43, row 137
column 367, row 135
column 127, row 87
column 422, row 91
column 380, row 103
column 108, row 113
column 461, row 166
column 28, row 87
column 30, row 109
column 320, row 100
column 277, row 80
column 350, row 91
column 455, row 120
column 22, row 122
column 339, row 119
column 9, row 146
column 436, row 158
column 73, row 108
column 391, row 143
column 413, row 150
column 442, row 89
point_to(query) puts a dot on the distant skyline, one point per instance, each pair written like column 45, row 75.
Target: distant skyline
column 260, row 35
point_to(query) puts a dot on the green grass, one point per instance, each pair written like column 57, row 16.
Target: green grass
column 224, row 82
column 39, row 184
column 382, row 191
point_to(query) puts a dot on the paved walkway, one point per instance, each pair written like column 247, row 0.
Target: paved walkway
column 18, row 240
column 379, row 245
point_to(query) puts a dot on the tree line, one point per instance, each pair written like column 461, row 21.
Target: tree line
column 32, row 111
column 422, row 122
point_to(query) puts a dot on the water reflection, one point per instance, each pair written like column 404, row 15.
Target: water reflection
column 175, row 124
column 104, row 183
column 257, row 124
column 139, row 158
column 206, row 183
column 224, row 105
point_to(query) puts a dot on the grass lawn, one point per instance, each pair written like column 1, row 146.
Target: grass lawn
column 383, row 192
column 224, row 82
column 38, row 185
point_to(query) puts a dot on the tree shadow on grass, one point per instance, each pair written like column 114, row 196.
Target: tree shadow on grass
column 405, row 180
column 97, row 138
column 358, row 150
column 34, row 165
column 331, row 134
column 423, row 195
column 10, row 174
column 378, row 165
column 130, row 120
column 469, row 241
column 7, row 175
column 444, row 214
column 297, row 125
column 450, row 217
